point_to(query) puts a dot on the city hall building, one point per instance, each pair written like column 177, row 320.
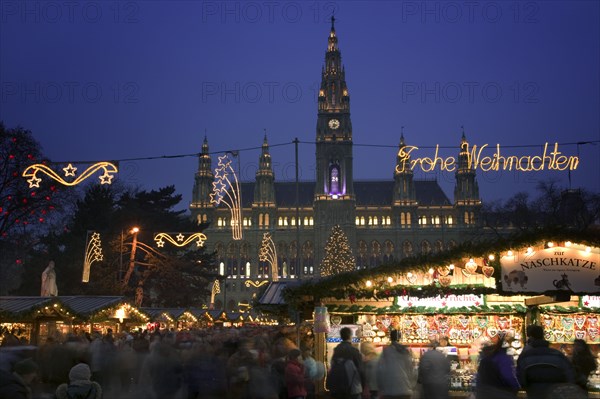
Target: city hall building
column 383, row 220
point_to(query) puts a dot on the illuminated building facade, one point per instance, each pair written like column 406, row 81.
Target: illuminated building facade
column 383, row 220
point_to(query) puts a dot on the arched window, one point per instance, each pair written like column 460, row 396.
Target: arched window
column 362, row 259
column 425, row 247
column 260, row 220
column 407, row 248
column 375, row 259
column 388, row 255
column 266, row 220
column 308, row 254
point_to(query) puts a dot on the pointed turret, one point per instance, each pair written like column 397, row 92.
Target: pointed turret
column 263, row 207
column 404, row 186
column 201, row 207
column 466, row 190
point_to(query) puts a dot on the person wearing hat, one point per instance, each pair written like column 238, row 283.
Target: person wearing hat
column 79, row 386
column 17, row 385
column 395, row 373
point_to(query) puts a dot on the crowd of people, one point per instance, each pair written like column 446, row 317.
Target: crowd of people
column 244, row 363
column 541, row 371
column 276, row 363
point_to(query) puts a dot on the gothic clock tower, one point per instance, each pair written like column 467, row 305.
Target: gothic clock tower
column 334, row 200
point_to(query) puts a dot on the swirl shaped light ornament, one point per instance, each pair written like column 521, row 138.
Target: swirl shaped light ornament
column 107, row 170
column 226, row 190
column 180, row 240
column 255, row 284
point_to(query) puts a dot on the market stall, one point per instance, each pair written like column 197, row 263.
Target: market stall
column 497, row 287
column 36, row 318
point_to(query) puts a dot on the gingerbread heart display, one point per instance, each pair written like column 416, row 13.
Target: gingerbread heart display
column 579, row 320
column 487, row 271
column 492, row 332
column 548, row 322
column 463, row 321
column 482, row 321
column 593, row 333
column 412, row 278
column 580, row 334
column 465, row 273
column 443, row 270
column 445, row 280
column 471, row 267
column 503, row 323
column 560, row 335
column 567, row 322
column 592, row 321
column 476, row 333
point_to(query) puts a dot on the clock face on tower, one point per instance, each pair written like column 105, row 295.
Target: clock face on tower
column 334, row 123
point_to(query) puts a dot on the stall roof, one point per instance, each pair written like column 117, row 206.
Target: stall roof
column 82, row 306
column 22, row 304
column 273, row 295
column 87, row 305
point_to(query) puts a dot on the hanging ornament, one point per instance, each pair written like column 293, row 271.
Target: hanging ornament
column 471, row 266
column 488, row 271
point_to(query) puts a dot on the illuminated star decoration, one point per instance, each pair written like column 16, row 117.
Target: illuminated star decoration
column 256, row 283
column 267, row 253
column 108, row 168
column 226, row 190
column 179, row 240
column 93, row 253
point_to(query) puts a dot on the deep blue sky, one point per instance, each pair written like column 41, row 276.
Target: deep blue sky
column 104, row 80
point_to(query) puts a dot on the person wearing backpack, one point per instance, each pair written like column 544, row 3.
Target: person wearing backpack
column 540, row 368
column 346, row 375
column 395, row 371
column 79, row 386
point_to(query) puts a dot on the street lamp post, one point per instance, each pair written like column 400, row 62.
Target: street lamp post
column 134, row 231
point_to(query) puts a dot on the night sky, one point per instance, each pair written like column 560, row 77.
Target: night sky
column 115, row 80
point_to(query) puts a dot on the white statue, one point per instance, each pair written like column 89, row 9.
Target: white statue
column 49, row 287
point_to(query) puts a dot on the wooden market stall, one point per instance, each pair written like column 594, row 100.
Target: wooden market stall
column 468, row 295
column 36, row 318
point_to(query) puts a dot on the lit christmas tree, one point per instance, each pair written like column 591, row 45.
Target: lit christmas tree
column 338, row 254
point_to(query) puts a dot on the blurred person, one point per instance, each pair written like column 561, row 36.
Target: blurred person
column 370, row 359
column 541, row 368
column 162, row 373
column 17, row 384
column 583, row 362
column 294, row 375
column 339, row 382
column 80, row 386
column 434, row 373
column 395, row 374
column 496, row 374
column 204, row 373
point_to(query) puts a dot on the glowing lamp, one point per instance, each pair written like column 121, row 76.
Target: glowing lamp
column 529, row 250
column 369, row 283
column 568, row 244
column 390, row 280
column 510, row 253
column 120, row 314
column 588, row 249
column 491, row 257
column 550, row 244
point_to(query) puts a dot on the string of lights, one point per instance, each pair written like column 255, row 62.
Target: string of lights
column 196, row 154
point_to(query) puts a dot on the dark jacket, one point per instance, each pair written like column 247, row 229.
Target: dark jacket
column 12, row 386
column 496, row 377
column 79, row 390
column 540, row 368
column 345, row 350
